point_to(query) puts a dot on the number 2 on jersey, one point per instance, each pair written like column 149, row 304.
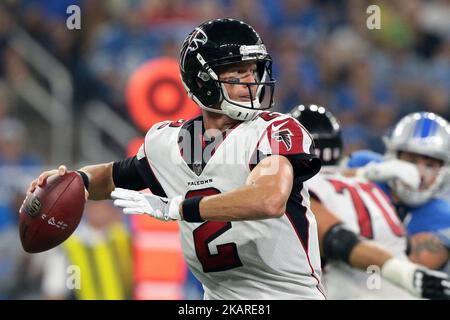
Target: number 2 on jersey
column 227, row 256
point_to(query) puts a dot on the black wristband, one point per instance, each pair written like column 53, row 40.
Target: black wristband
column 338, row 243
column 191, row 209
column 85, row 178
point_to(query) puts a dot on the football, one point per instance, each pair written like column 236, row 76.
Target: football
column 52, row 212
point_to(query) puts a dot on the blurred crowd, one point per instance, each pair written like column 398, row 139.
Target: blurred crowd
column 323, row 53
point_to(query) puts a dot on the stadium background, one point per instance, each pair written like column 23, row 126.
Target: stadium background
column 76, row 97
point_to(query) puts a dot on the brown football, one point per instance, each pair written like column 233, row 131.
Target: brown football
column 52, row 212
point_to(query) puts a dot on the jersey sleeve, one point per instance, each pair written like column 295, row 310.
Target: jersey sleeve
column 287, row 137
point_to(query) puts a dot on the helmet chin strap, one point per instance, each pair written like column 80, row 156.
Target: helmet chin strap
column 412, row 198
column 239, row 113
column 239, row 110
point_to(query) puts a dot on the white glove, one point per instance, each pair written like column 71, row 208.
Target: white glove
column 391, row 169
column 134, row 202
column 418, row 280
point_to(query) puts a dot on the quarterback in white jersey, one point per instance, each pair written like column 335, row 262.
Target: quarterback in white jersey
column 362, row 239
column 257, row 259
column 231, row 177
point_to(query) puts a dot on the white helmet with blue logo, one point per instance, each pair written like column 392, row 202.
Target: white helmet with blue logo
column 427, row 134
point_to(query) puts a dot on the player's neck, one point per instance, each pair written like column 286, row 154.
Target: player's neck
column 217, row 121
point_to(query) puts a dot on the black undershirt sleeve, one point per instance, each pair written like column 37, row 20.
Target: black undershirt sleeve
column 135, row 174
column 127, row 174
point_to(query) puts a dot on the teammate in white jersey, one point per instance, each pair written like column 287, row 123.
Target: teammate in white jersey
column 359, row 228
column 423, row 140
column 227, row 176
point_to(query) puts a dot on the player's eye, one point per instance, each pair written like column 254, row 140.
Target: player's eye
column 432, row 165
column 233, row 80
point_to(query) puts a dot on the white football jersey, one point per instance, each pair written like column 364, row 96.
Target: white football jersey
column 364, row 209
column 258, row 259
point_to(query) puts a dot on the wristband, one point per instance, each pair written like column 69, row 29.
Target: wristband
column 85, row 178
column 191, row 209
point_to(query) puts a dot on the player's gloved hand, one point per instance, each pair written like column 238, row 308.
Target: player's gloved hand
column 134, row 202
column 391, row 169
column 418, row 280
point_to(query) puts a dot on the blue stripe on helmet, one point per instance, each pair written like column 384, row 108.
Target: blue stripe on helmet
column 418, row 127
column 425, row 127
column 434, row 127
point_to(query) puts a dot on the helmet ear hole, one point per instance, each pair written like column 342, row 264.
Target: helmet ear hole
column 208, row 92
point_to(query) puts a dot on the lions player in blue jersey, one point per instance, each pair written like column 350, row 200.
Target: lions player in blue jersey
column 422, row 139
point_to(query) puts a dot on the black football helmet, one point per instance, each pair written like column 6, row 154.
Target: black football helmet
column 214, row 45
column 325, row 130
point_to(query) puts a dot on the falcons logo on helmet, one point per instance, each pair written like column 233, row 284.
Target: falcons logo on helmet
column 195, row 40
column 284, row 136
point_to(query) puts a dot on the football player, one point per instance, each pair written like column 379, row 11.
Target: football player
column 227, row 176
column 423, row 140
column 359, row 228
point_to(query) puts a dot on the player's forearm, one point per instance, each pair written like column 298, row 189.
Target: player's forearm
column 245, row 203
column 365, row 254
column 100, row 180
column 263, row 197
